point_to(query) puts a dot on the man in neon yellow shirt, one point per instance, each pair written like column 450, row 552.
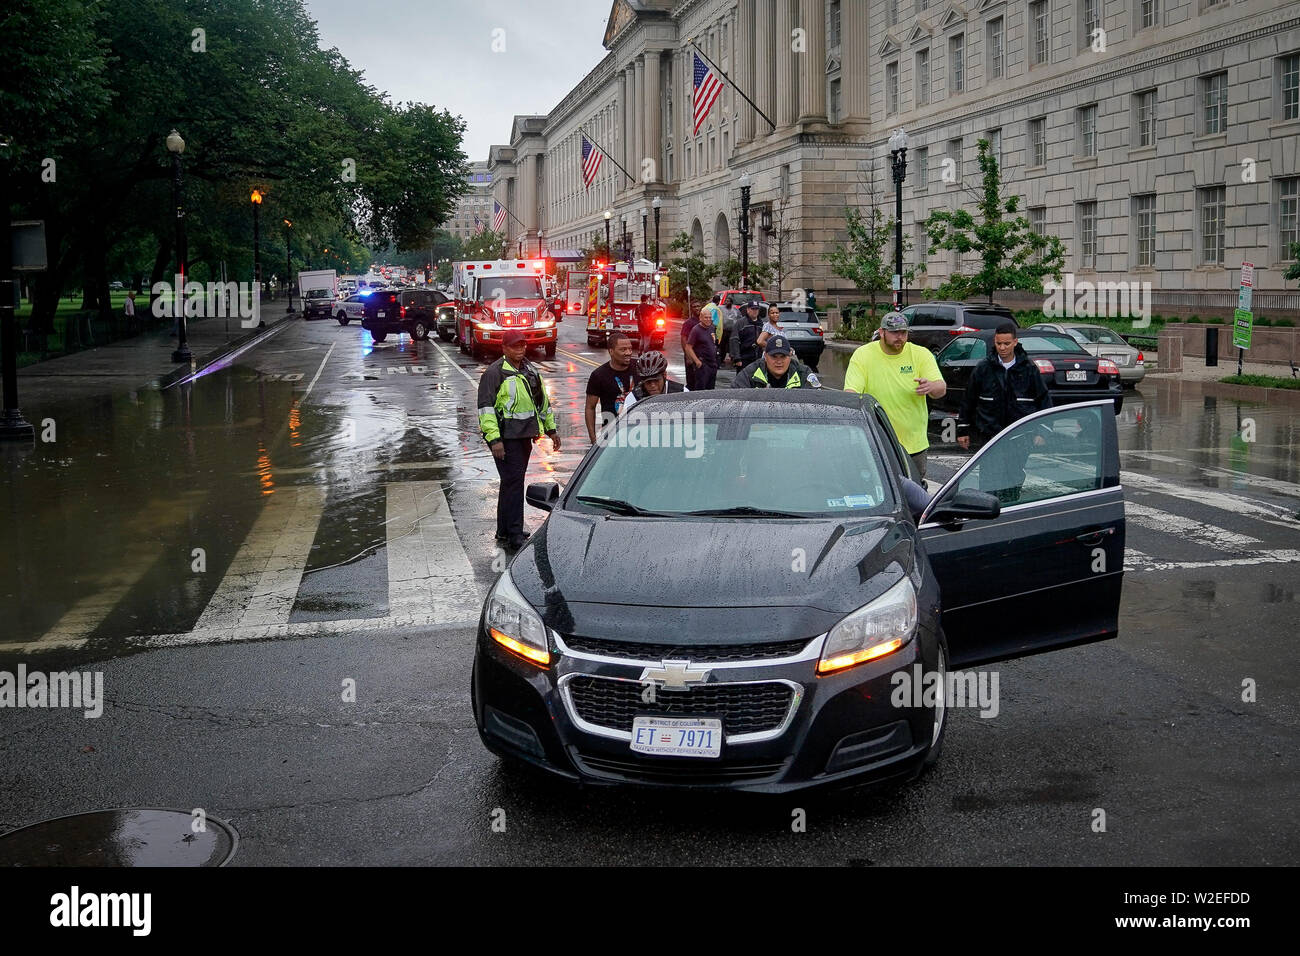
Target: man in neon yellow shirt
column 899, row 375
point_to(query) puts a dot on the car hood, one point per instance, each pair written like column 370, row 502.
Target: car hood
column 708, row 580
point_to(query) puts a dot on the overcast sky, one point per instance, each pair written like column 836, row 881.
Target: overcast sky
column 440, row 52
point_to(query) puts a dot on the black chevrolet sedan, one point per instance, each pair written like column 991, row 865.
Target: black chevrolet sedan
column 733, row 592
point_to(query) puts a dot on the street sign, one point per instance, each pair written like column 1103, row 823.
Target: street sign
column 1247, row 274
column 28, row 245
column 1242, row 321
column 898, row 282
column 1244, row 296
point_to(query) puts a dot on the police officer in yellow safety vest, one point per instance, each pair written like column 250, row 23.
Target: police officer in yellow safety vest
column 513, row 412
column 776, row 369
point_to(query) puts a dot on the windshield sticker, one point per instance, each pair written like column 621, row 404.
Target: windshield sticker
column 851, row 501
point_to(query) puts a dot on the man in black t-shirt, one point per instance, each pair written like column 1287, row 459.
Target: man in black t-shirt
column 608, row 384
column 701, row 355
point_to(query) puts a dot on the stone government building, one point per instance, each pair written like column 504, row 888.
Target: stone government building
column 1169, row 157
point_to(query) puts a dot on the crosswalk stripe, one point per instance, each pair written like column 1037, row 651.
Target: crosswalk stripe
column 1136, row 561
column 1223, row 501
column 1198, row 531
column 428, row 569
column 262, row 581
column 1277, row 486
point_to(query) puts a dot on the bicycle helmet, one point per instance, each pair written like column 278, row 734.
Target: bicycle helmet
column 651, row 364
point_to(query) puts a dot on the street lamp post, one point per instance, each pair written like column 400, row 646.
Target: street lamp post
column 645, row 235
column 13, row 427
column 609, row 253
column 176, row 146
column 898, row 153
column 256, row 197
column 658, row 252
column 744, row 230
column 539, row 243
column 288, row 265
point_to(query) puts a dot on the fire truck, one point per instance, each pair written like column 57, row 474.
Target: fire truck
column 493, row 296
column 611, row 298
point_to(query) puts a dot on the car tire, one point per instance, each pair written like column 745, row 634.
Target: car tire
column 379, row 336
column 342, row 317
column 476, row 351
column 594, row 342
column 419, row 331
column 445, row 336
column 940, row 718
column 549, row 351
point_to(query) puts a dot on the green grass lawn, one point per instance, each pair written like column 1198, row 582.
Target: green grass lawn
column 67, row 311
column 1262, row 381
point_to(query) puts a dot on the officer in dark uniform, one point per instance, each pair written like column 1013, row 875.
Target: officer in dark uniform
column 513, row 412
column 743, row 347
column 776, row 369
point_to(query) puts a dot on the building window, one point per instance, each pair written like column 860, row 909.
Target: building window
column 834, row 32
column 1288, row 69
column 1090, row 17
column 954, row 153
column 835, row 101
column 922, row 167
column 922, row 77
column 891, row 88
column 1214, row 103
column 1150, row 13
column 1144, row 225
column 1288, row 203
column 1038, row 220
column 921, row 243
column 1087, row 118
column 994, row 136
column 1088, row 235
column 1042, row 31
column 1211, row 218
column 891, row 13
column 995, row 48
column 1144, row 108
column 957, row 63
column 922, row 5
column 1038, row 142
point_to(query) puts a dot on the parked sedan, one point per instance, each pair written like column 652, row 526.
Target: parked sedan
column 1105, row 343
column 606, row 652
column 803, row 328
column 1070, row 373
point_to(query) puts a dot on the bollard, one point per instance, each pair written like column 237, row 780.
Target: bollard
column 1211, row 346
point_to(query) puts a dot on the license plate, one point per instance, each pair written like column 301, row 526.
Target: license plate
column 1080, row 375
column 677, row 736
column 379, row 315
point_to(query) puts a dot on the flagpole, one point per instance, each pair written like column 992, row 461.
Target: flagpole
column 604, row 152
column 506, row 210
column 704, row 56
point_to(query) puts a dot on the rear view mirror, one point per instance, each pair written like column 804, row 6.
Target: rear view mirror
column 966, row 503
column 543, row 495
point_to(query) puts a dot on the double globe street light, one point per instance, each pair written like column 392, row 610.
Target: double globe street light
column 898, row 156
column 176, row 146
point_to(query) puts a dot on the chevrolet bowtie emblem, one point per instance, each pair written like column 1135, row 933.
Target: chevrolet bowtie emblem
column 675, row 675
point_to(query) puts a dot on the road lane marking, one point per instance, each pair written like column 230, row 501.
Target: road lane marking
column 1273, row 514
column 1145, row 563
column 1277, row 486
column 578, row 357
column 1198, row 531
column 262, row 582
column 428, row 570
column 318, row 371
column 453, row 363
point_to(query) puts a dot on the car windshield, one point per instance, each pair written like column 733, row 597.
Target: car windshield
column 668, row 462
column 318, row 293
column 509, row 287
column 1091, row 333
column 1051, row 342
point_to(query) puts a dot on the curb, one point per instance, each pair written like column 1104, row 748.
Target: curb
column 1253, row 393
column 200, row 365
column 846, row 345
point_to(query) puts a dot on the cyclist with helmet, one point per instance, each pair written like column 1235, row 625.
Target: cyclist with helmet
column 651, row 379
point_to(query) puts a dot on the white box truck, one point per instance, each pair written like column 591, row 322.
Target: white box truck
column 317, row 290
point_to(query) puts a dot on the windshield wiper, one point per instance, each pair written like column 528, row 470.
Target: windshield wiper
column 745, row 510
column 617, row 505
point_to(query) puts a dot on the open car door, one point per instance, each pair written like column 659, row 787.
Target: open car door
column 1047, row 571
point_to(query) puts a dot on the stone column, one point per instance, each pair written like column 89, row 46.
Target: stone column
column 765, row 62
column 787, row 90
column 855, row 39
column 744, row 75
column 812, row 63
column 623, row 113
column 654, row 117
column 638, row 127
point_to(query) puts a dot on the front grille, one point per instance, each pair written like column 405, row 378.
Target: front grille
column 696, row 770
column 745, row 708
column 695, row 653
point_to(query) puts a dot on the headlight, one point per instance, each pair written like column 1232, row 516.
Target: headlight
column 514, row 625
column 880, row 628
column 545, row 323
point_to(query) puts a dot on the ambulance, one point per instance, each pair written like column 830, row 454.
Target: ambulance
column 494, row 296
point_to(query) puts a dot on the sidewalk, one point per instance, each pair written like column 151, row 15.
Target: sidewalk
column 144, row 361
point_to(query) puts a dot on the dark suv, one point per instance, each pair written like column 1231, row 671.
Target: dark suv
column 935, row 324
column 412, row 311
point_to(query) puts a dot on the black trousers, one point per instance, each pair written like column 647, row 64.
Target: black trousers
column 510, row 496
column 705, row 376
column 690, row 375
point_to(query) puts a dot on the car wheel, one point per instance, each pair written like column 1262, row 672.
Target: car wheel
column 379, row 336
column 342, row 317
column 445, row 336
column 549, row 351
column 593, row 342
column 420, row 331
column 477, row 351
column 940, row 716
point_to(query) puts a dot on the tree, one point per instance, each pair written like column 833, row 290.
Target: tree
column 782, row 235
column 690, row 268
column 484, row 244
column 728, row 275
column 1293, row 270
column 866, row 259
column 1012, row 255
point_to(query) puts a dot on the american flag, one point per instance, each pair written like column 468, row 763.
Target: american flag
column 498, row 216
column 708, row 87
column 590, row 162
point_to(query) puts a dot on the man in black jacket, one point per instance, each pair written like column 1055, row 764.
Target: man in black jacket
column 1003, row 389
column 743, row 346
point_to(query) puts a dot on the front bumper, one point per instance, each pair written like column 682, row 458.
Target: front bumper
column 491, row 337
column 800, row 730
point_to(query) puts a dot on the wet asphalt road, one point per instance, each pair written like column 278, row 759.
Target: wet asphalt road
column 303, row 446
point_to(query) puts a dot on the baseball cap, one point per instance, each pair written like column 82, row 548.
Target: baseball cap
column 756, row 302
column 893, row 322
column 512, row 337
column 777, row 345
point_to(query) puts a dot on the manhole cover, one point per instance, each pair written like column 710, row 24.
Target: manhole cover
column 140, row 837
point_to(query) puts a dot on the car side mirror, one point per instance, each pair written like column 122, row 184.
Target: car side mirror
column 543, row 495
column 966, row 503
